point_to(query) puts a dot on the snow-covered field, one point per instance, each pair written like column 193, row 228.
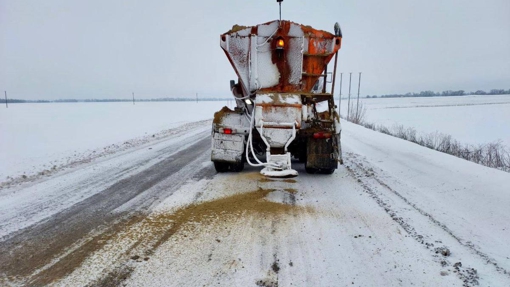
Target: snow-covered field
column 39, row 137
column 153, row 212
column 469, row 119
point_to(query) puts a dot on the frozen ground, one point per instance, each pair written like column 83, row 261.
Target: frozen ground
column 38, row 138
column 156, row 213
column 469, row 119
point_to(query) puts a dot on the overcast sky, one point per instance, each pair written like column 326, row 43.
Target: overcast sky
column 106, row 49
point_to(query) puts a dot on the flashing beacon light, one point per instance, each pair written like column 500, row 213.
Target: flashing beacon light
column 280, row 44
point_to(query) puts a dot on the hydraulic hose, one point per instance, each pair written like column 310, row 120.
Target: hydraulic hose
column 249, row 146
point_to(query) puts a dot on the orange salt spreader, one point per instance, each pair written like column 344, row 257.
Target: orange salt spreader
column 284, row 110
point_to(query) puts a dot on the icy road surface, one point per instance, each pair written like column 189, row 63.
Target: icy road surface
column 396, row 214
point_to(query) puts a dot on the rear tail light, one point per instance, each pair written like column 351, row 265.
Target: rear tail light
column 227, row 131
column 321, row 135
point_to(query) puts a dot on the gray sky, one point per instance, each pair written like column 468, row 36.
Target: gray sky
column 106, row 49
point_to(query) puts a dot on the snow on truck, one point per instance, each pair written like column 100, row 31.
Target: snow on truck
column 283, row 108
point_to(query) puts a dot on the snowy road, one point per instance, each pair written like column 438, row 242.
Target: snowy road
column 396, row 214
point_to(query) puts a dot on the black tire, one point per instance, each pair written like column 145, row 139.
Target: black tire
column 221, row 166
column 310, row 170
column 328, row 171
column 237, row 167
column 302, row 158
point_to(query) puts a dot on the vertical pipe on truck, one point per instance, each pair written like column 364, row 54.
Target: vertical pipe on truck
column 325, row 79
column 334, row 76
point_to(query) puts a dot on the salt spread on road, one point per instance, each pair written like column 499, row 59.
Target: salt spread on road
column 396, row 214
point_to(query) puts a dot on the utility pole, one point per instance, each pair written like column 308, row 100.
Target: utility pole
column 133, row 98
column 6, row 105
column 357, row 104
column 340, row 96
column 349, row 100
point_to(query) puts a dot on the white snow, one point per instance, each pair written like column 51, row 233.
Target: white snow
column 263, row 71
column 290, row 99
column 31, row 202
column 471, row 200
column 295, row 59
column 469, row 119
column 267, row 30
column 37, row 137
column 377, row 221
column 296, row 31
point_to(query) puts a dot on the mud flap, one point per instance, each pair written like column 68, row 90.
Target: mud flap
column 227, row 148
column 322, row 155
column 339, row 155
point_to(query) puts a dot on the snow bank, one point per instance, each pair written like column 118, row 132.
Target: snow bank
column 36, row 137
column 468, row 200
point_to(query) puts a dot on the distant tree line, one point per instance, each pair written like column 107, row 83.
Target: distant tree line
column 113, row 100
column 448, row 93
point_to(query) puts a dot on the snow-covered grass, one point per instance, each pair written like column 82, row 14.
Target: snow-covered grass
column 39, row 137
column 492, row 154
column 469, row 119
column 495, row 155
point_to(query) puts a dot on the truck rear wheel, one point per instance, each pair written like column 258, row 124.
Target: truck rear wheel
column 321, row 156
column 226, row 166
column 320, row 171
column 327, row 171
column 237, row 167
column 221, row 166
column 308, row 169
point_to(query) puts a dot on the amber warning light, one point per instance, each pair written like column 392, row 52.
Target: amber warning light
column 280, row 44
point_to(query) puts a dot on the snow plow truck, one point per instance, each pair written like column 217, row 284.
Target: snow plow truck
column 283, row 108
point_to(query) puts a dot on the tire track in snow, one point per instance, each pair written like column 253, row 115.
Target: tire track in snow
column 36, row 201
column 469, row 276
column 36, row 246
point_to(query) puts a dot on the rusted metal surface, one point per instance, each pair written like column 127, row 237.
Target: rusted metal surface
column 268, row 105
column 315, row 48
column 278, row 110
column 278, row 63
column 219, row 115
column 322, row 154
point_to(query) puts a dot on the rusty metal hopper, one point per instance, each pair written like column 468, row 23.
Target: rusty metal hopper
column 279, row 56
